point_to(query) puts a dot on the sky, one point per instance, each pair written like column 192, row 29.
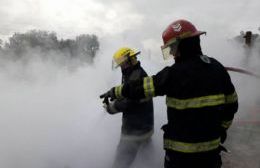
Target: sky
column 53, row 118
column 116, row 17
column 135, row 23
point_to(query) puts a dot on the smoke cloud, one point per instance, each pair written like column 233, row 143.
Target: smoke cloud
column 50, row 112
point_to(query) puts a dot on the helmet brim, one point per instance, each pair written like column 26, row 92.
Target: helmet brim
column 117, row 63
column 166, row 49
column 197, row 33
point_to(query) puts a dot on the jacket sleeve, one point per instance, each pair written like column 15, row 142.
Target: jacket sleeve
column 124, row 104
column 231, row 102
column 146, row 87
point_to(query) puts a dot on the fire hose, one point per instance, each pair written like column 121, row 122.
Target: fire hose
column 243, row 71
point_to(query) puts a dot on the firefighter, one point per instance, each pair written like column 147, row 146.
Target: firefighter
column 200, row 97
column 248, row 38
column 137, row 115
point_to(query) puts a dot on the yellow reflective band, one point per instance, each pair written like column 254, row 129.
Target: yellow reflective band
column 226, row 124
column 191, row 147
column 118, row 91
column 231, row 98
column 197, row 102
column 148, row 87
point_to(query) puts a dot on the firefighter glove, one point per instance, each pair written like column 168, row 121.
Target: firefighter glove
column 110, row 108
column 108, row 95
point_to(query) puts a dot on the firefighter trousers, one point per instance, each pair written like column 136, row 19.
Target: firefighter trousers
column 201, row 160
column 127, row 150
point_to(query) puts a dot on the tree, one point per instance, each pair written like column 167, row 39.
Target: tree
column 87, row 46
column 47, row 45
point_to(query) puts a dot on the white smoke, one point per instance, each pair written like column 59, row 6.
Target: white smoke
column 51, row 116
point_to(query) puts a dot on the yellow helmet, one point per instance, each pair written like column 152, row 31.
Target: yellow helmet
column 122, row 55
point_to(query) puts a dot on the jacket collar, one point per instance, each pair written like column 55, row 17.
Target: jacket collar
column 130, row 69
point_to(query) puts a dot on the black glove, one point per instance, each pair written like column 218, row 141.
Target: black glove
column 109, row 94
column 223, row 135
column 110, row 108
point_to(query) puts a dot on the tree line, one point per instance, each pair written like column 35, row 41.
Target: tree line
column 46, row 45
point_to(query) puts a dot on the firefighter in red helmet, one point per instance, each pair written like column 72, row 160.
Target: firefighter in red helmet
column 200, row 97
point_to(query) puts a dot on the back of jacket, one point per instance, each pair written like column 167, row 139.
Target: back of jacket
column 201, row 102
column 138, row 116
column 200, row 98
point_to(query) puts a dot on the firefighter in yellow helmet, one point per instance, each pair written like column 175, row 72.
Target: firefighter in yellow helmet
column 137, row 115
column 200, row 97
column 125, row 57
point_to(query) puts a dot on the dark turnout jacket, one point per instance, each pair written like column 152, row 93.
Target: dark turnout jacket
column 138, row 117
column 201, row 101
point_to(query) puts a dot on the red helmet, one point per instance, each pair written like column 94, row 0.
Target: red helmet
column 178, row 30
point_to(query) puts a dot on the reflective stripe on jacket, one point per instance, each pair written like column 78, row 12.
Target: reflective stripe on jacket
column 191, row 147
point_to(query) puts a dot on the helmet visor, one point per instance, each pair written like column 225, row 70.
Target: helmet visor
column 116, row 62
column 121, row 60
column 114, row 65
column 169, row 50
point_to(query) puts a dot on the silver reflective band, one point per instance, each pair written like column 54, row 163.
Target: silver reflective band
column 191, row 147
column 148, row 87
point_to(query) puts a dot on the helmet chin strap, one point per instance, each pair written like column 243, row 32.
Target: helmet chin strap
column 176, row 57
column 128, row 63
column 130, row 59
column 175, row 54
